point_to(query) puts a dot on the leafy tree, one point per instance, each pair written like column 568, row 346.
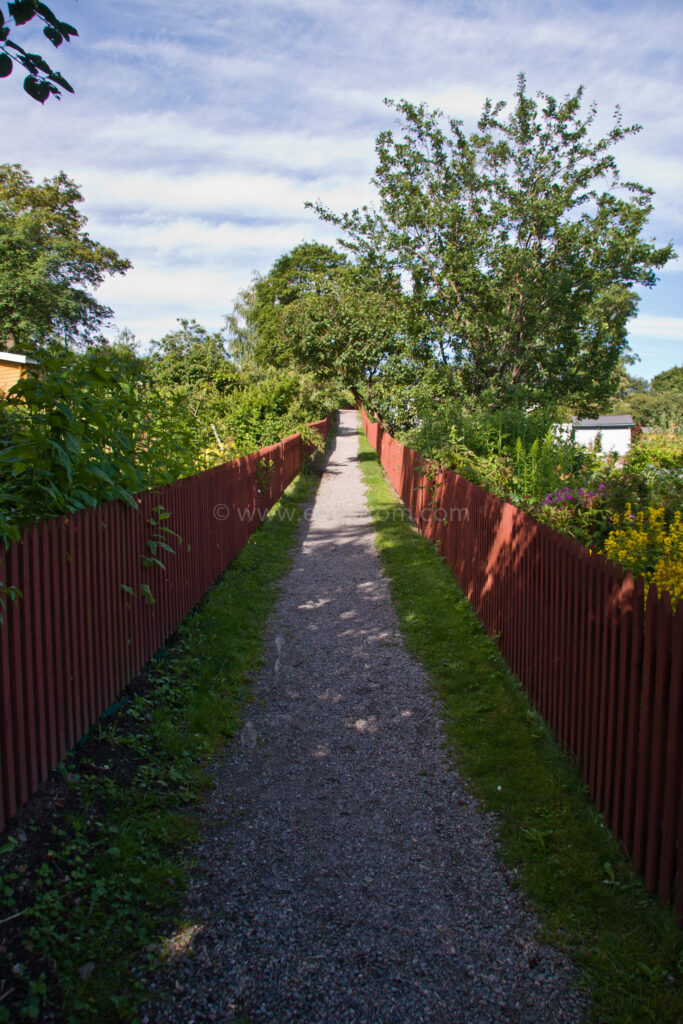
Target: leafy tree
column 657, row 404
column 48, row 262
column 41, row 81
column 628, row 385
column 193, row 360
column 669, row 380
column 108, row 422
column 274, row 405
column 101, row 424
column 189, row 377
column 345, row 331
column 318, row 313
column 241, row 331
column 412, row 390
column 661, row 410
column 520, row 243
column 310, row 268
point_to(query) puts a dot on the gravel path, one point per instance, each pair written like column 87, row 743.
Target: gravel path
column 345, row 874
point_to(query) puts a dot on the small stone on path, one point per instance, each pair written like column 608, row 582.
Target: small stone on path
column 248, row 736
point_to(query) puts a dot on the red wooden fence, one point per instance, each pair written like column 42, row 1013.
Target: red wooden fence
column 78, row 635
column 606, row 675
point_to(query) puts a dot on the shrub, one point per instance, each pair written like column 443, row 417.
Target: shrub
column 643, row 543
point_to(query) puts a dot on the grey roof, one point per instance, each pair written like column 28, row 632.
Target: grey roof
column 604, row 422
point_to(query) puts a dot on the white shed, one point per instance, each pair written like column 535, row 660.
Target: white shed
column 614, row 432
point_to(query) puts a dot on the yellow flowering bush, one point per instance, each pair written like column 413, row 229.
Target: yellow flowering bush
column 668, row 574
column 644, row 544
column 216, row 454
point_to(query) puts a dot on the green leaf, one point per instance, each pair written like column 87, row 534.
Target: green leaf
column 100, row 474
column 38, row 62
column 36, row 89
column 44, row 11
column 60, row 80
column 67, row 30
column 147, row 562
column 53, row 35
column 21, row 12
column 60, row 455
column 6, row 65
column 15, row 46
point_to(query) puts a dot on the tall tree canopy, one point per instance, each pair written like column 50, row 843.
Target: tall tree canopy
column 48, row 262
column 318, row 313
column 347, row 330
column 520, row 244
column 192, row 362
column 41, row 81
column 669, row 380
column 309, row 268
column 658, row 403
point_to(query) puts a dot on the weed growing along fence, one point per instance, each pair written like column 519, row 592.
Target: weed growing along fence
column 603, row 667
column 103, row 589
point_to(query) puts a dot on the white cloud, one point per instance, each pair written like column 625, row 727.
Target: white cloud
column 148, row 197
column 668, row 328
column 149, row 301
column 193, row 236
column 179, row 137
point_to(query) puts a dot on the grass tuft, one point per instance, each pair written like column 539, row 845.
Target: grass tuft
column 585, row 892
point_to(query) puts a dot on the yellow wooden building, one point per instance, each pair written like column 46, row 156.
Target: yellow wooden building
column 12, row 367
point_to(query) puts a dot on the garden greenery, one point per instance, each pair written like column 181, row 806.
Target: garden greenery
column 107, row 423
column 628, row 508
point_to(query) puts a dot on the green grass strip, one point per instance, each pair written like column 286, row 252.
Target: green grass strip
column 113, row 875
column 587, row 897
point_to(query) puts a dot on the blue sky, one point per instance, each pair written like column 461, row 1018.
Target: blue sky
column 197, row 137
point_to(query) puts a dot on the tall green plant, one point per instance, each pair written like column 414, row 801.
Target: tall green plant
column 70, row 443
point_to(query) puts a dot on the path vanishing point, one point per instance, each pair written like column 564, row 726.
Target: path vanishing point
column 346, row 875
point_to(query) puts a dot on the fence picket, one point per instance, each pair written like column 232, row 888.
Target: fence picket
column 645, row 731
column 635, row 687
column 660, row 710
column 15, row 616
column 597, row 773
column 672, row 819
